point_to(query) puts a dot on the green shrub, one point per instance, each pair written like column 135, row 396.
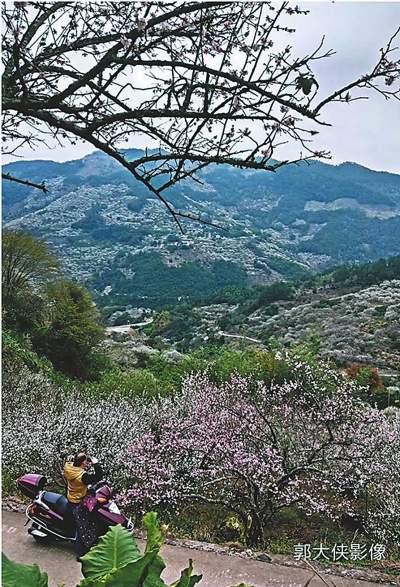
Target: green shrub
column 272, row 293
column 140, row 382
column 308, row 350
column 329, row 303
column 72, row 331
column 18, row 350
column 220, row 363
column 380, row 311
column 7, row 483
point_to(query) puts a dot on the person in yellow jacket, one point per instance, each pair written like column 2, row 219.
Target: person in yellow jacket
column 78, row 479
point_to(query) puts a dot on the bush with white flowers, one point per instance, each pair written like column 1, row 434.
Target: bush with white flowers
column 44, row 423
column 248, row 447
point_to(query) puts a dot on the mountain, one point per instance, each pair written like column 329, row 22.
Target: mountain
column 361, row 326
column 349, row 316
column 111, row 233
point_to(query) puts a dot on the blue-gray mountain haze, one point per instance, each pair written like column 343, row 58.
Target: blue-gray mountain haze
column 112, row 234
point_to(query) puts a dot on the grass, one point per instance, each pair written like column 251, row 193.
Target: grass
column 8, row 486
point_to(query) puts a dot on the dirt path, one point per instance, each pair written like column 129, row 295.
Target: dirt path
column 58, row 561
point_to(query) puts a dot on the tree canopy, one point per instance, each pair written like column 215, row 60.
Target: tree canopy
column 57, row 317
column 27, row 261
column 71, row 331
column 28, row 265
column 193, row 78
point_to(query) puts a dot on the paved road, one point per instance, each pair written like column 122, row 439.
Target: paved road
column 58, row 561
column 125, row 328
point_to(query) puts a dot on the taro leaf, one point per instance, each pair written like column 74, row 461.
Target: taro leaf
column 305, row 84
column 115, row 549
column 153, row 578
column 18, row 575
column 187, row 579
column 155, row 537
column 134, row 574
column 137, row 574
column 155, row 541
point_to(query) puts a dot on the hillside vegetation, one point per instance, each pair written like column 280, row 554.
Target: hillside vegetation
column 350, row 315
column 183, row 432
column 111, row 234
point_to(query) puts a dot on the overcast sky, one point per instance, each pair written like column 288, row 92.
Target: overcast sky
column 367, row 131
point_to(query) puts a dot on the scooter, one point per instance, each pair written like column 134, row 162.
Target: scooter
column 50, row 513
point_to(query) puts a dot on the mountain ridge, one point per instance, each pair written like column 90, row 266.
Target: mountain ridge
column 96, row 152
column 106, row 226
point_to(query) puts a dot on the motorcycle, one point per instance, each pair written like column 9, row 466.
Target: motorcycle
column 51, row 516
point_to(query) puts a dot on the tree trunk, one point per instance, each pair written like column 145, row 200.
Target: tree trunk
column 255, row 532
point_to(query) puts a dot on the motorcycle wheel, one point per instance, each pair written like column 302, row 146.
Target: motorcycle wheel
column 40, row 540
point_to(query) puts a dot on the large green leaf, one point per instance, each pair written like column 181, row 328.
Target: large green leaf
column 187, row 579
column 133, row 574
column 153, row 578
column 18, row 575
column 155, row 541
column 115, row 549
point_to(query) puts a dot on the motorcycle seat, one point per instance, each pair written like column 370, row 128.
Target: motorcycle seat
column 58, row 503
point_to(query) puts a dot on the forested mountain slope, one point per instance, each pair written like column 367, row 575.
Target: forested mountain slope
column 348, row 315
column 111, row 233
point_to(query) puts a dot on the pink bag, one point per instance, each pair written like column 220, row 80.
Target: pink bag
column 90, row 501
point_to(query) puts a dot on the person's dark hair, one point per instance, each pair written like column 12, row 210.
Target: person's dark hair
column 79, row 458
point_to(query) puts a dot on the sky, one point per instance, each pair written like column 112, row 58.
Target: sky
column 367, row 131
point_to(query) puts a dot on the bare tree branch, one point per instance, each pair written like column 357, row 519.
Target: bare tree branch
column 199, row 82
column 10, row 177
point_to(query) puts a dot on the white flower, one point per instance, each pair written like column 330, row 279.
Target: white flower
column 141, row 24
column 126, row 43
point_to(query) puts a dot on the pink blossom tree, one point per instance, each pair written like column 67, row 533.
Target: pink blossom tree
column 255, row 449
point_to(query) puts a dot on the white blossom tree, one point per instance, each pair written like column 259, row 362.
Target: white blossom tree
column 249, row 448
column 43, row 423
column 192, row 77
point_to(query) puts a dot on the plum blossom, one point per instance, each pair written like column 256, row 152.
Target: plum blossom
column 267, row 153
column 248, row 447
column 254, row 449
column 126, row 43
column 235, row 103
column 43, row 423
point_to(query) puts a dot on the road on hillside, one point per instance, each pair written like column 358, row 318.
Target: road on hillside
column 58, row 560
column 221, row 333
column 126, row 328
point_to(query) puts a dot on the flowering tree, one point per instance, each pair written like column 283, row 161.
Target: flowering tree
column 255, row 450
column 192, row 77
column 43, row 423
column 249, row 448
